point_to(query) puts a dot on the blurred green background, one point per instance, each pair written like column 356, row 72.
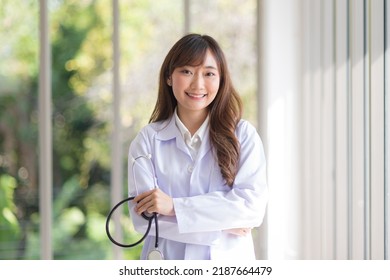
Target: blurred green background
column 80, row 33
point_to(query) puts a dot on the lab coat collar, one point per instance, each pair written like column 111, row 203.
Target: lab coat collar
column 170, row 131
column 203, row 129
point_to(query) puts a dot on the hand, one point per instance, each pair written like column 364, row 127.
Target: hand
column 154, row 201
column 239, row 231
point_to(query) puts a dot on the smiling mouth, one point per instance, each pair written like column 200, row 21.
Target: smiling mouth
column 196, row 95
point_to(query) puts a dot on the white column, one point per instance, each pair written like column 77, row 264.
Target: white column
column 116, row 140
column 187, row 16
column 45, row 135
column 305, row 118
column 327, row 181
column 261, row 235
column 376, row 236
column 357, row 161
column 387, row 131
column 281, row 45
column 341, row 130
column 312, row 201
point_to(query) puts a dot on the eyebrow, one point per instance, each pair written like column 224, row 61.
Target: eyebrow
column 207, row 67
column 211, row 67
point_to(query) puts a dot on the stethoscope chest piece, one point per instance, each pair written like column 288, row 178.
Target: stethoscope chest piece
column 155, row 255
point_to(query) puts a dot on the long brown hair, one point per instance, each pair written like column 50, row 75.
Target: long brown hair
column 225, row 110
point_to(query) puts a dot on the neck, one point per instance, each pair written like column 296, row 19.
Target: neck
column 192, row 119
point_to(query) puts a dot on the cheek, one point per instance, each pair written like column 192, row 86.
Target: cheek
column 176, row 87
column 213, row 86
column 178, row 83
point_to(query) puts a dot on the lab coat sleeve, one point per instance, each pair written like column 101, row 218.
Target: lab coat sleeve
column 140, row 179
column 242, row 206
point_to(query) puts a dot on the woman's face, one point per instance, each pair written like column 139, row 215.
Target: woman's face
column 195, row 87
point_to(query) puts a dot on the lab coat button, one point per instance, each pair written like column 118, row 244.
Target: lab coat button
column 190, row 168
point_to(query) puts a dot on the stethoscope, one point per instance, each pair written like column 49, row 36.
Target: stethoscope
column 154, row 254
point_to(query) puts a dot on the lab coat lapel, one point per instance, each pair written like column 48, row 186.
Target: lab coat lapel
column 170, row 132
column 205, row 147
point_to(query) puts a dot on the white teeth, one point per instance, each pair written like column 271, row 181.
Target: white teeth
column 196, row 95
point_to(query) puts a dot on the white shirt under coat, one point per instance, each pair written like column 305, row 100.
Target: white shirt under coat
column 205, row 206
column 193, row 142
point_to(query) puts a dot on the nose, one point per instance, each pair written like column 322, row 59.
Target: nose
column 197, row 82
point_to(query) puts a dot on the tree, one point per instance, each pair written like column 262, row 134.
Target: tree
column 81, row 116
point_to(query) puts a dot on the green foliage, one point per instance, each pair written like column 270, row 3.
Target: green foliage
column 9, row 225
column 19, row 47
column 80, row 148
column 80, row 33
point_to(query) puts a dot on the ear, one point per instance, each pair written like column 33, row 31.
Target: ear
column 169, row 81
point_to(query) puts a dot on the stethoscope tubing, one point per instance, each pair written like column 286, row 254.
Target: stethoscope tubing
column 146, row 217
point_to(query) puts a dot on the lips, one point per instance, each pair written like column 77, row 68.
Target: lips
column 193, row 95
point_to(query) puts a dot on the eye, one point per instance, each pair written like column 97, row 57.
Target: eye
column 210, row 74
column 185, row 71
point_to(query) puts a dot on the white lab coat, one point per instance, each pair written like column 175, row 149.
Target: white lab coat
column 205, row 206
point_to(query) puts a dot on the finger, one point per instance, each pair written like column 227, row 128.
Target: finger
column 149, row 202
column 141, row 196
column 155, row 201
column 144, row 204
column 146, row 207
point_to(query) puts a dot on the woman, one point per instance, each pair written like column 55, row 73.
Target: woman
column 209, row 163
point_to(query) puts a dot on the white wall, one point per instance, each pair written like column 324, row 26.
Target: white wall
column 325, row 81
column 281, row 85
